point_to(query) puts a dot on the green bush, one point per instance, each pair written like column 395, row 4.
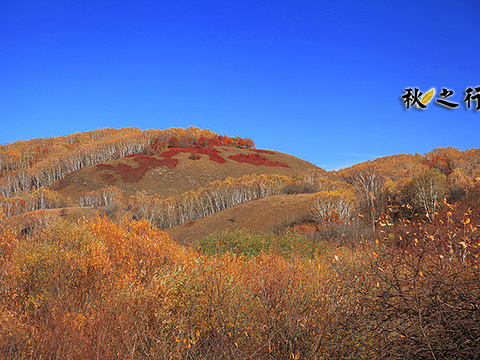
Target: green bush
column 251, row 243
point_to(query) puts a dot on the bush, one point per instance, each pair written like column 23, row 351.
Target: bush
column 423, row 294
column 427, row 190
column 299, row 188
column 249, row 243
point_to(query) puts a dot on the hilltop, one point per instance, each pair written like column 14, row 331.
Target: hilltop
column 178, row 170
column 75, row 170
column 174, row 176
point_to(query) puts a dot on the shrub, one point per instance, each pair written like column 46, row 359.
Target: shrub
column 423, row 296
column 427, row 190
column 299, row 188
column 256, row 159
column 249, row 243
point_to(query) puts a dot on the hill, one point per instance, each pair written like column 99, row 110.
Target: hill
column 178, row 170
column 379, row 260
column 267, row 214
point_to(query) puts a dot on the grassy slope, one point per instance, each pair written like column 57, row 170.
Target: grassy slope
column 187, row 175
column 267, row 214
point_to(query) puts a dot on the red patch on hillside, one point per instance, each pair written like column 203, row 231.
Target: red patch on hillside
column 107, row 177
column 134, row 174
column 125, row 171
column 106, row 167
column 212, row 153
column 130, row 173
column 152, row 162
column 260, row 151
column 256, row 159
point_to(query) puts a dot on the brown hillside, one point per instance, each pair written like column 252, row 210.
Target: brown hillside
column 173, row 175
column 267, row 214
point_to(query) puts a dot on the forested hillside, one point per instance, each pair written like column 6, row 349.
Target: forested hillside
column 186, row 244
column 97, row 167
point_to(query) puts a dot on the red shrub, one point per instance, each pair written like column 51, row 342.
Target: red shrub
column 107, row 177
column 173, row 142
column 149, row 161
column 125, row 171
column 256, row 159
column 194, row 156
column 213, row 142
column 170, row 163
column 131, row 174
column 249, row 143
column 260, row 151
column 106, row 167
column 202, row 142
column 212, row 153
column 170, row 153
column 152, row 162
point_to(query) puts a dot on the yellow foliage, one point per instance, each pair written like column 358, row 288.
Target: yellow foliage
column 334, row 206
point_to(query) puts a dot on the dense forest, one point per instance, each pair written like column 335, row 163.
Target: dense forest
column 383, row 265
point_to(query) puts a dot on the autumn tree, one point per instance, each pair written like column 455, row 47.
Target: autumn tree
column 110, row 195
column 173, row 142
column 334, row 206
column 333, row 210
column 202, row 142
column 460, row 182
column 369, row 184
column 427, row 190
column 249, row 143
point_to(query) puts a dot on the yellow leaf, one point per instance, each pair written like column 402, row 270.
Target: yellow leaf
column 428, row 96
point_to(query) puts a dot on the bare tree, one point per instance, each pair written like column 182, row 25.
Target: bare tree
column 427, row 189
column 369, row 183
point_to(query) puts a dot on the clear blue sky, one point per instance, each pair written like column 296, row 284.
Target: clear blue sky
column 321, row 80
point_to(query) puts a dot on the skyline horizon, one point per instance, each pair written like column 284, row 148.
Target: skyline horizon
column 321, row 81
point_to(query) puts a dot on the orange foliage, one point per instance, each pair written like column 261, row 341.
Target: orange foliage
column 173, row 142
column 103, row 289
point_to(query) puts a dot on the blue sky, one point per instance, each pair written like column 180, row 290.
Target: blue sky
column 321, row 80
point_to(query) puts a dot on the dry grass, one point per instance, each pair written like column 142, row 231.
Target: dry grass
column 185, row 176
column 269, row 214
column 103, row 289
